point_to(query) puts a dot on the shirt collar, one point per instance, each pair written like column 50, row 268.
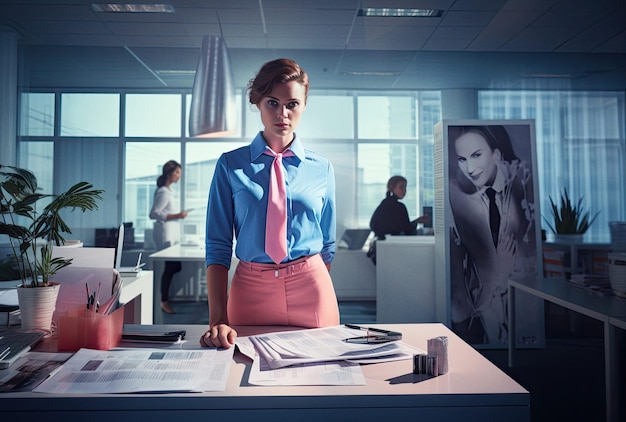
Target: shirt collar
column 498, row 183
column 258, row 145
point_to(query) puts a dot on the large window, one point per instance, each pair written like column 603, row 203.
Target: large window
column 87, row 115
column 368, row 136
column 37, row 114
column 580, row 146
column 153, row 115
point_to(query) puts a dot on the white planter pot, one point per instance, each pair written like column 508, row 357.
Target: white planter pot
column 37, row 306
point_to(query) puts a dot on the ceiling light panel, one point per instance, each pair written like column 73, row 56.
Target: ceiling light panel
column 132, row 8
column 390, row 12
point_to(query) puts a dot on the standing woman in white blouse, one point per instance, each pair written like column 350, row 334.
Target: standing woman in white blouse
column 166, row 229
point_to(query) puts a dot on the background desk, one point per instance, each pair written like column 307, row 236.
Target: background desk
column 610, row 310
column 193, row 254
column 473, row 390
column 405, row 280
column 175, row 253
column 353, row 275
column 137, row 295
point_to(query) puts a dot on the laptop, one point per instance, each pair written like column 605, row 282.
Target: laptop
column 119, row 247
column 355, row 238
column 13, row 344
column 119, row 252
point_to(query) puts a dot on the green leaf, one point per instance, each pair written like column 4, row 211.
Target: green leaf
column 18, row 198
column 569, row 218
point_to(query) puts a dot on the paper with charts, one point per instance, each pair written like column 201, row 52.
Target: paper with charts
column 141, row 371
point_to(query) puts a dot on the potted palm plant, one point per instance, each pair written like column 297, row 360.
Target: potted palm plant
column 32, row 234
column 569, row 220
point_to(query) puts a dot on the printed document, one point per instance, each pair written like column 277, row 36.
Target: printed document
column 287, row 348
column 141, row 371
column 322, row 373
column 319, row 373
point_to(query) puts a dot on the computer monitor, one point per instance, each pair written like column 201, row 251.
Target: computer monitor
column 355, row 238
column 190, row 229
column 119, row 247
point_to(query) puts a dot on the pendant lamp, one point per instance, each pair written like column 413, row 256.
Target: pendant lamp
column 213, row 108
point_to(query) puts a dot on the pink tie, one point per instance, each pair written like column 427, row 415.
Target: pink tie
column 276, row 221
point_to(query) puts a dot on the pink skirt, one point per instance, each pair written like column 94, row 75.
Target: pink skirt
column 298, row 293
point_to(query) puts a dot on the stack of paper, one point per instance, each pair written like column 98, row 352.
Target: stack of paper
column 288, row 348
column 319, row 356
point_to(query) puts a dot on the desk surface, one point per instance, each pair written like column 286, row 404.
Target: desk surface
column 563, row 293
column 610, row 310
column 425, row 240
column 180, row 253
column 473, row 389
column 138, row 295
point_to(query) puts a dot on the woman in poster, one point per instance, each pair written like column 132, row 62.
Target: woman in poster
column 493, row 236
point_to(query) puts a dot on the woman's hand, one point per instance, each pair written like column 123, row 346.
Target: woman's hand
column 219, row 335
column 424, row 219
column 505, row 252
column 177, row 216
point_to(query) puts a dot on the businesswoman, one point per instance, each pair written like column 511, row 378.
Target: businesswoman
column 391, row 216
column 292, row 287
column 166, row 229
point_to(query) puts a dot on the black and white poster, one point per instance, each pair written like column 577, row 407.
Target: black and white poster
column 488, row 198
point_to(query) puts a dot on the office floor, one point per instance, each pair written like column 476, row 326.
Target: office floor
column 565, row 379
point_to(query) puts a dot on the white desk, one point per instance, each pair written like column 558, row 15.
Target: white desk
column 137, row 295
column 610, row 310
column 353, row 275
column 352, row 272
column 175, row 253
column 405, row 279
column 194, row 254
column 473, row 390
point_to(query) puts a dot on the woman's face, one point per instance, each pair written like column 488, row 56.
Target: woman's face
column 399, row 190
column 476, row 159
column 281, row 111
column 175, row 175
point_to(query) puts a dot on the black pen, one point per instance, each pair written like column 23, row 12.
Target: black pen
column 369, row 339
column 383, row 336
column 376, row 330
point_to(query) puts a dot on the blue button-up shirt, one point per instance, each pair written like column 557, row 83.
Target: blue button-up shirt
column 238, row 204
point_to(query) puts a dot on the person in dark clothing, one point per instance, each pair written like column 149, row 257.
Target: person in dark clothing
column 391, row 216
